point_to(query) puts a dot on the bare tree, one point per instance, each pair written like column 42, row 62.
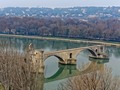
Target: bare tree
column 96, row 80
column 16, row 70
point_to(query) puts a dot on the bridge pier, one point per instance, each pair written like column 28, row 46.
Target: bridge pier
column 70, row 61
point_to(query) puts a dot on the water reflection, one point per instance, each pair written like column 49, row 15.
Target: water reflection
column 66, row 71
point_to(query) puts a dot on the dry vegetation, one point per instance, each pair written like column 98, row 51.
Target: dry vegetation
column 97, row 80
column 16, row 70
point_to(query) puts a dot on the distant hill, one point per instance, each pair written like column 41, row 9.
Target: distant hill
column 75, row 12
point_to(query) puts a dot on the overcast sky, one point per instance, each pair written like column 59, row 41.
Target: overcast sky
column 57, row 3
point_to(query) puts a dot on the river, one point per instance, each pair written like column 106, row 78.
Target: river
column 56, row 73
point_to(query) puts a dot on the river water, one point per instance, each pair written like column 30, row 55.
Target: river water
column 56, row 73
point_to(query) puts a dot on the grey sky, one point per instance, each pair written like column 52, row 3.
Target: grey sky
column 57, row 3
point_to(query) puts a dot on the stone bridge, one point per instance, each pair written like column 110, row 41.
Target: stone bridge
column 69, row 56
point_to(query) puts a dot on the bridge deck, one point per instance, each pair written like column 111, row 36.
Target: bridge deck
column 59, row 51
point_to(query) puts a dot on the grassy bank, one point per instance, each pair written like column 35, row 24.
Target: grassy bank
column 65, row 39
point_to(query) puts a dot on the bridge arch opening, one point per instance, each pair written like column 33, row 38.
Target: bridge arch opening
column 90, row 51
column 58, row 57
column 83, row 58
column 51, row 66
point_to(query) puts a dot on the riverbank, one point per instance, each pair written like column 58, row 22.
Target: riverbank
column 64, row 39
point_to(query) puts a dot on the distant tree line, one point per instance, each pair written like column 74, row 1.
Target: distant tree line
column 56, row 27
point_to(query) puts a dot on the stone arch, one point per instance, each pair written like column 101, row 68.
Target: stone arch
column 90, row 50
column 60, row 58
